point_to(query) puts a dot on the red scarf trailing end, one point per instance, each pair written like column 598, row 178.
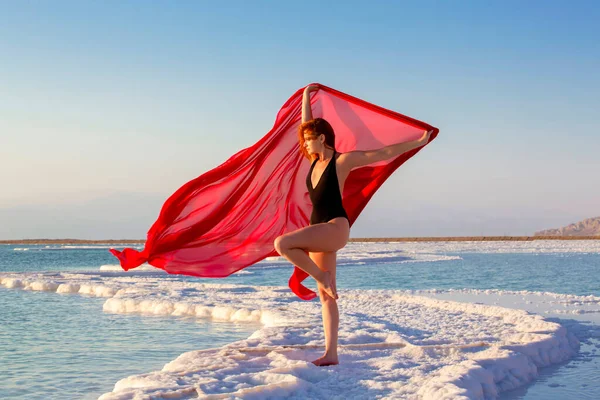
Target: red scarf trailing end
column 228, row 218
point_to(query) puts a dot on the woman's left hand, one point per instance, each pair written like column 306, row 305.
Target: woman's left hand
column 311, row 88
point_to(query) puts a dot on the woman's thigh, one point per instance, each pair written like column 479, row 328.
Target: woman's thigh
column 325, row 237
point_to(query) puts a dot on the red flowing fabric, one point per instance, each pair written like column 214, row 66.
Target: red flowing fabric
column 228, row 218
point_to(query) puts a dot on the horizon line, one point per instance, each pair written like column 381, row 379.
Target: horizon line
column 365, row 239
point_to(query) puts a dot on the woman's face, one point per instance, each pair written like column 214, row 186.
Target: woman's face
column 312, row 144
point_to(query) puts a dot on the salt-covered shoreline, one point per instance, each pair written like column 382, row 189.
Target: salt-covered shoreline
column 393, row 344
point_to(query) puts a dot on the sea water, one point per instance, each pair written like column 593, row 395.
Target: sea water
column 65, row 346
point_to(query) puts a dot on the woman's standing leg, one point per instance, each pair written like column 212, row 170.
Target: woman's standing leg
column 329, row 309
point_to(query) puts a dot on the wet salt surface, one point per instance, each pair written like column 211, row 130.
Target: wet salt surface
column 572, row 379
column 395, row 343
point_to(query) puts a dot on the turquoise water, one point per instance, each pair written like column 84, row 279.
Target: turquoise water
column 64, row 346
column 569, row 273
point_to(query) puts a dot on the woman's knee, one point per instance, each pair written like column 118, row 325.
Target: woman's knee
column 280, row 244
column 277, row 244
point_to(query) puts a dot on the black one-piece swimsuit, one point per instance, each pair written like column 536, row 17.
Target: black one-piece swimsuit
column 326, row 197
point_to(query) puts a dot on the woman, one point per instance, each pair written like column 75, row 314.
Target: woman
column 313, row 248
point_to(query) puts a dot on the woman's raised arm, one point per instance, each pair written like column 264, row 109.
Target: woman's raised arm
column 356, row 159
column 306, row 111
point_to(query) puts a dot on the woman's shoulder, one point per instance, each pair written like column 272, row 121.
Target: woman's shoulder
column 341, row 161
column 341, row 156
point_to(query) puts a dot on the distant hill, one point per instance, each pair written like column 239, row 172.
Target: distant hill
column 587, row 227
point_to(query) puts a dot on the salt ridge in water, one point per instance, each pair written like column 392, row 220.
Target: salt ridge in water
column 393, row 344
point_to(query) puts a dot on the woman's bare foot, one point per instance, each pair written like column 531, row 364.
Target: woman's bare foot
column 328, row 285
column 326, row 360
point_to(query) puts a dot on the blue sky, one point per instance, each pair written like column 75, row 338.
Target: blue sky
column 106, row 108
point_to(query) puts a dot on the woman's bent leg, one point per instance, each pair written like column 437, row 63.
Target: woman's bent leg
column 325, row 237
